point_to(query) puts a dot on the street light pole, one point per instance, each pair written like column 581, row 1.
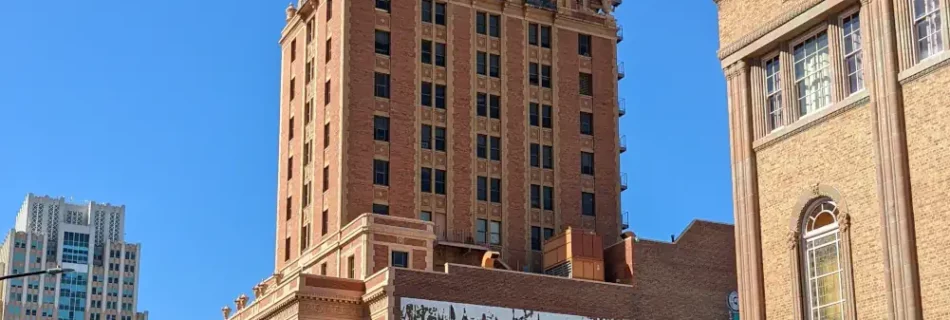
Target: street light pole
column 53, row 271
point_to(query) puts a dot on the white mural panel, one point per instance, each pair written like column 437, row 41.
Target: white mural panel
column 420, row 309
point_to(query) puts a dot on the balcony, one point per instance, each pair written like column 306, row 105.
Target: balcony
column 619, row 34
column 457, row 238
column 623, row 144
column 623, row 182
column 620, row 72
column 542, row 4
column 624, row 221
column 622, row 107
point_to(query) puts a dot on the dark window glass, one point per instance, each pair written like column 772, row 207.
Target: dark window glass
column 289, row 208
column 293, row 50
column 382, row 42
column 380, row 209
column 425, row 216
column 427, row 11
column 482, row 189
column 439, row 181
column 586, row 84
column 400, row 259
column 439, row 138
column 533, row 34
column 587, row 123
column 548, row 233
column 326, row 178
column 326, row 93
column 381, row 172
column 533, row 76
column 293, row 88
column 382, row 85
column 481, row 63
column 426, row 97
column 545, row 37
column 481, row 104
column 536, row 238
column 481, row 150
column 546, row 116
column 440, row 96
column 495, row 148
column 548, row 198
column 440, row 13
column 546, row 76
column 583, row 45
column 481, row 230
column 426, row 180
column 426, row 51
column 290, row 129
column 383, row 5
column 330, row 12
column 494, row 66
column 381, row 128
column 547, row 159
column 481, row 25
column 536, row 196
column 587, row 163
column 440, row 54
column 495, row 190
column 535, row 155
column 290, row 168
column 494, row 107
column 325, row 221
column 494, row 232
column 494, row 26
column 533, row 114
column 326, row 135
column 587, row 204
column 426, row 133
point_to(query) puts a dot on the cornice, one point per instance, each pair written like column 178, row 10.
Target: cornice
column 763, row 30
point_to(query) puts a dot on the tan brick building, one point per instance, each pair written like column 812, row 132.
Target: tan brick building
column 839, row 135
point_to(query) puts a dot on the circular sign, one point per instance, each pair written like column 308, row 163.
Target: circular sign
column 733, row 301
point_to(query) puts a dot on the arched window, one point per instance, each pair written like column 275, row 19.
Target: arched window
column 822, row 264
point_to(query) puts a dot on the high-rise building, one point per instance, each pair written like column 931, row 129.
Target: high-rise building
column 87, row 238
column 839, row 131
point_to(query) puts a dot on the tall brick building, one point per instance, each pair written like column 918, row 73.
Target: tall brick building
column 459, row 157
column 839, row 132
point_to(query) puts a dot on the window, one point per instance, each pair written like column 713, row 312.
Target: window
column 851, row 26
column 329, row 10
column 328, row 54
column 495, row 144
column 481, row 63
column 773, row 93
column 304, row 237
column 546, row 116
column 494, row 25
column 481, row 104
column 535, row 196
column 586, row 83
column 439, row 181
column 426, row 51
column 533, row 114
column 290, row 168
column 536, row 238
column 308, row 72
column 323, row 268
column 326, row 135
column 548, row 198
column 425, row 216
column 440, row 96
column 427, row 11
column 287, row 249
column 494, row 107
column 481, row 25
column 351, row 263
column 439, row 139
column 546, row 76
column 426, row 132
column 533, row 34
column 481, row 230
column 533, row 74
column 812, row 77
column 383, row 5
column 289, row 208
column 326, row 93
column 927, row 28
column 587, row 163
column 587, row 123
column 547, row 157
column 382, row 85
column 400, row 259
column 482, row 189
column 324, row 225
column 545, row 37
column 440, row 54
column 381, row 209
column 293, row 88
column 822, row 262
column 381, row 172
column 293, row 50
column 308, row 112
column 587, row 204
column 326, row 178
column 481, row 148
column 381, row 125
column 306, row 195
column 548, row 233
column 426, row 180
column 440, row 13
column 495, row 190
column 494, row 232
column 426, row 97
column 583, row 45
column 535, row 155
column 494, row 66
column 290, row 129
column 382, row 42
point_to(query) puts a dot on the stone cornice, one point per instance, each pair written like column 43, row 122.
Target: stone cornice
column 763, row 30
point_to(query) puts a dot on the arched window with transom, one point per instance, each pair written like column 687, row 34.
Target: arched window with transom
column 822, row 263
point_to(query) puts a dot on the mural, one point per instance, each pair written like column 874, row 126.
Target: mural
column 419, row 309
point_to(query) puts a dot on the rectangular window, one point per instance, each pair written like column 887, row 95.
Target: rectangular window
column 481, row 104
column 310, row 26
column 481, row 230
column 439, row 181
column 293, row 88
column 306, row 195
column 381, row 128
column 536, row 238
column 439, row 139
column 812, row 78
column 547, row 157
column 326, row 135
column 440, row 13
column 440, row 54
column 328, row 51
column 426, row 97
column 323, row 269
column 351, row 265
column 382, row 85
column 534, row 77
column 494, row 26
column 481, row 63
column 293, row 50
column 495, row 190
column 494, row 107
column 324, row 225
column 326, row 178
column 427, row 11
column 290, row 168
column 494, row 232
column 382, row 42
column 329, row 10
column 927, row 28
column 381, row 209
column 383, row 5
column 426, row 133
column 495, row 148
column 583, row 45
column 290, row 129
column 546, row 116
column 587, row 204
column 381, row 172
column 482, row 189
column 494, row 66
column 587, row 123
column 586, row 82
column 545, row 37
column 534, row 114
column 425, row 216
column 481, row 148
column 587, row 163
column 426, row 52
column 851, row 26
column 440, row 96
column 481, row 24
column 548, row 198
column 326, row 93
column 308, row 72
column 536, row 196
column 773, row 93
column 307, row 112
column 400, row 259
column 287, row 249
column 533, row 34
column 426, row 180
column 535, row 155
column 304, row 237
column 546, row 76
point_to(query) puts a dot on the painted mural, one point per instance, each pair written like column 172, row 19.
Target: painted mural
column 419, row 309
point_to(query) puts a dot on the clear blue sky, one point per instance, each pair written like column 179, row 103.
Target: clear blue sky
column 170, row 107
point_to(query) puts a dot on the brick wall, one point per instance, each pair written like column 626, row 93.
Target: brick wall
column 740, row 17
column 514, row 152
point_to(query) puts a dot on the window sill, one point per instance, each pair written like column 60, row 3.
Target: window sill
column 924, row 67
column 810, row 120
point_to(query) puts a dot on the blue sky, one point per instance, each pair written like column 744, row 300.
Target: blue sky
column 170, row 107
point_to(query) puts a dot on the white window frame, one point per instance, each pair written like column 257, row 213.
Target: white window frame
column 828, row 69
column 857, row 53
column 935, row 37
column 808, row 257
column 772, row 123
